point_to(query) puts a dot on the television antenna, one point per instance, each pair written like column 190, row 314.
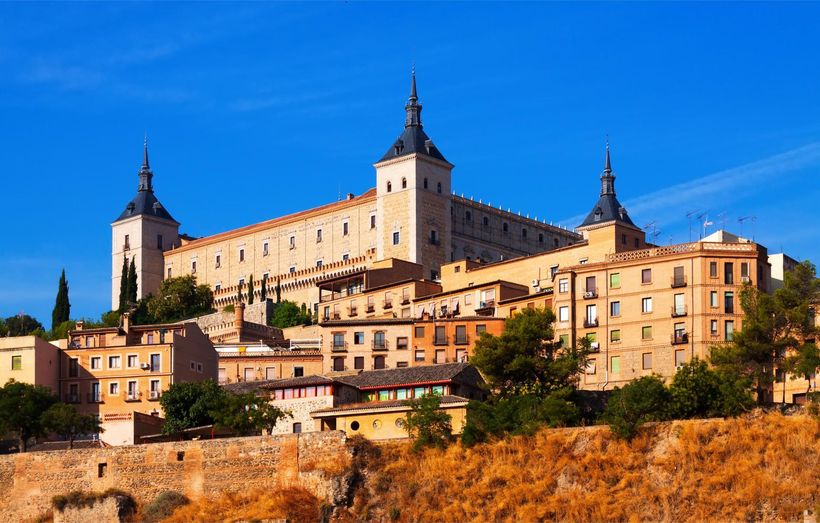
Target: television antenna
column 742, row 219
column 700, row 216
column 689, row 216
column 655, row 232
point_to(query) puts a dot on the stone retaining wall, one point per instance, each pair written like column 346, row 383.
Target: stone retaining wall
column 195, row 468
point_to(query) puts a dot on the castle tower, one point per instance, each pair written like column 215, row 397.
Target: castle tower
column 413, row 196
column 142, row 232
column 608, row 223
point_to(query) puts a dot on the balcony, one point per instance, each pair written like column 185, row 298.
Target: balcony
column 680, row 338
column 590, row 294
column 440, row 340
column 462, row 340
column 679, row 311
column 72, row 398
column 370, row 308
column 133, row 396
column 485, row 308
column 590, row 322
column 678, row 281
column 95, row 397
column 339, row 346
column 405, row 300
column 387, row 304
column 352, row 311
column 153, row 395
column 379, row 344
column 335, row 316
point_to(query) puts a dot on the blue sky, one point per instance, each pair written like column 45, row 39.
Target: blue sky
column 257, row 110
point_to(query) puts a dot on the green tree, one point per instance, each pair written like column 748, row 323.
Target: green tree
column 278, row 290
column 178, row 299
column 239, row 293
column 189, row 404
column 24, row 325
column 133, row 284
column 4, row 329
column 699, row 391
column 428, row 425
column 776, row 329
column 263, row 293
column 639, row 401
column 250, row 290
column 246, row 414
column 62, row 307
column 21, row 409
column 525, row 359
column 60, row 332
column 64, row 420
column 124, row 284
column 288, row 314
column 110, row 319
column 518, row 415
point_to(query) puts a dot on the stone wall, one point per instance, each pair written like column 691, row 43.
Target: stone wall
column 195, row 468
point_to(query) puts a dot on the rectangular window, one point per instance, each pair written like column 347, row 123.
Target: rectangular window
column 680, row 357
column 615, row 364
column 678, row 277
column 345, row 228
column 270, row 373
column 679, row 307
column 564, row 339
column 338, row 364
column 729, row 302
column 358, row 338
column 396, row 238
column 728, row 273
column 615, row 336
column 358, row 363
column 713, row 270
column 292, row 242
column 96, row 362
column 297, row 428
column 615, row 309
column 193, row 266
column 338, row 340
column 441, row 356
column 218, row 261
column 646, row 332
column 713, row 327
column 114, row 362
column 402, row 343
column 132, row 392
column 113, row 388
column 127, row 243
column 169, row 272
column 461, row 334
column 95, row 396
column 563, row 285
column 563, row 313
column 73, row 368
column 372, row 221
column 646, row 305
column 744, row 271
column 713, row 299
column 265, row 248
column 729, row 329
column 16, row 363
column 379, row 341
column 592, row 315
column 318, row 263
column 419, row 332
column 615, row 280
column 646, row 276
column 646, row 360
column 480, row 328
column 159, row 241
column 241, row 255
column 298, row 372
column 590, row 285
column 419, row 355
column 440, row 336
column 318, row 235
column 155, row 362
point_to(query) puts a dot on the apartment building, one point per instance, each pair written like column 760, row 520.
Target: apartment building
column 259, row 362
column 29, row 359
column 114, row 372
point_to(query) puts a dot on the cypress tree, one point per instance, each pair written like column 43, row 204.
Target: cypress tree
column 132, row 281
column 250, row 290
column 239, row 294
column 278, row 291
column 264, row 292
column 124, row 284
column 62, row 307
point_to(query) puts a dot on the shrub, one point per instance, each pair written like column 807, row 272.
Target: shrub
column 79, row 499
column 695, row 391
column 637, row 402
column 163, row 506
column 427, row 425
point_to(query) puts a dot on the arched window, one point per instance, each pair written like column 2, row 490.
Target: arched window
column 389, row 186
column 439, row 187
column 404, row 183
column 378, row 362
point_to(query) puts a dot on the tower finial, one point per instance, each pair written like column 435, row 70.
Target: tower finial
column 607, row 163
column 413, row 107
column 607, row 178
column 145, row 174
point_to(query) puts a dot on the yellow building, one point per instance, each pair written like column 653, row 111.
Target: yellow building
column 114, row 372
column 411, row 214
column 28, row 359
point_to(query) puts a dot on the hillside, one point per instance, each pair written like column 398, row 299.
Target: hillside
column 761, row 468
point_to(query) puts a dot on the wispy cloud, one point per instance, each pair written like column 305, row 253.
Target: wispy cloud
column 273, row 101
column 670, row 204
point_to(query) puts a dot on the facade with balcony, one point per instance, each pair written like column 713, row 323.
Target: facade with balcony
column 112, row 372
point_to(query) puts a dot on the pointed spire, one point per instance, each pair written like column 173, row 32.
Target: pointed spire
column 607, row 178
column 413, row 107
column 145, row 174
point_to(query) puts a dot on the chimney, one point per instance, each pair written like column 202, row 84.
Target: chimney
column 125, row 321
column 350, row 196
column 79, row 325
column 239, row 318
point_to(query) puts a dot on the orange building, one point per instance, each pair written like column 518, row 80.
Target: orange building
column 113, row 372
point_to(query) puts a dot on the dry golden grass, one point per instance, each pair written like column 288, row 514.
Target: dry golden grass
column 292, row 504
column 760, row 468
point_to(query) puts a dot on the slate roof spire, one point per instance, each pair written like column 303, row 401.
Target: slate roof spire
column 413, row 140
column 145, row 174
column 145, row 202
column 413, row 107
column 608, row 208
